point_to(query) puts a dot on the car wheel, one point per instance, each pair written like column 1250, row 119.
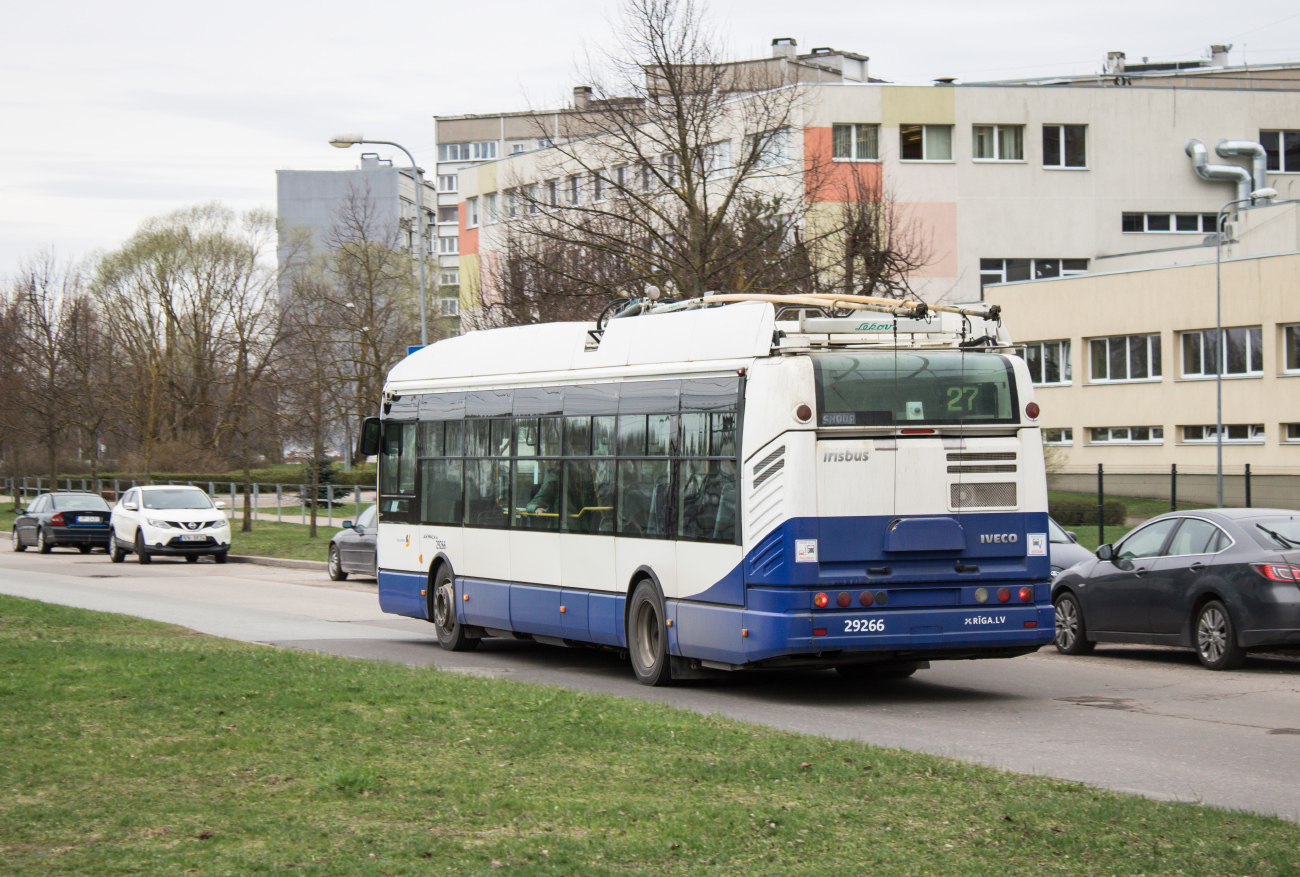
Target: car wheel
column 1071, row 632
column 647, row 636
column 451, row 633
column 220, row 557
column 1216, row 638
column 18, row 542
column 141, row 553
column 43, row 545
column 116, row 553
column 84, row 549
column 191, row 558
column 335, row 564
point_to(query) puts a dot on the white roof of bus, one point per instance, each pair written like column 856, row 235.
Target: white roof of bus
column 737, row 331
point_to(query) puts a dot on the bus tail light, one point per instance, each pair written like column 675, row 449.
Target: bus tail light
column 821, row 601
column 1278, row 572
column 1031, row 624
column 865, row 598
column 819, row 631
column 843, row 599
column 1004, row 594
column 1026, row 595
column 57, row 520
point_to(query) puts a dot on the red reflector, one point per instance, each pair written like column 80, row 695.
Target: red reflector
column 57, row 520
column 843, row 598
column 1004, row 594
column 1031, row 624
column 917, row 431
column 1031, row 410
column 819, row 631
column 821, row 600
column 1026, row 595
column 1278, row 572
column 804, row 413
column 865, row 598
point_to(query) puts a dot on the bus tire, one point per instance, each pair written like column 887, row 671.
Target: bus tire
column 451, row 633
column 647, row 637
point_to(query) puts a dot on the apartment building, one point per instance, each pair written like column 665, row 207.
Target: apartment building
column 1006, row 181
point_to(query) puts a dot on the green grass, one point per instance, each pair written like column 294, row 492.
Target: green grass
column 131, row 747
column 293, row 541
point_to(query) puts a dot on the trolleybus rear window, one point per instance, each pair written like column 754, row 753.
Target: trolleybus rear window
column 941, row 387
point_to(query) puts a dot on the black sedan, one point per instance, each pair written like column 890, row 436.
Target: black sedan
column 1221, row 581
column 63, row 518
column 353, row 548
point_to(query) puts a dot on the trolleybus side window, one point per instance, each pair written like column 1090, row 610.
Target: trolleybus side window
column 397, row 471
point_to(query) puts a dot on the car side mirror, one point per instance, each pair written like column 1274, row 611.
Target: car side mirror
column 1106, row 552
column 21, row 511
column 1074, row 537
column 130, row 506
column 347, row 525
column 220, row 504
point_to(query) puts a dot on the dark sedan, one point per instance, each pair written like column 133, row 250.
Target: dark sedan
column 63, row 518
column 1221, row 581
column 353, row 548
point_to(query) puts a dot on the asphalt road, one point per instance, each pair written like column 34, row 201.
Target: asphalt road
column 1143, row 720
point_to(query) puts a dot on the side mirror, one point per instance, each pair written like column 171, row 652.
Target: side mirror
column 347, row 525
column 368, row 438
column 1106, row 552
column 220, row 504
column 130, row 506
column 1074, row 537
column 21, row 511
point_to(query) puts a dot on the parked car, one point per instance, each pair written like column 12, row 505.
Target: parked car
column 1063, row 548
column 167, row 519
column 353, row 548
column 62, row 518
column 1220, row 581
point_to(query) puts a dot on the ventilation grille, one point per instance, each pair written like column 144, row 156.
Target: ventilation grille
column 766, row 498
column 762, row 464
column 983, row 469
column 986, row 456
column 769, row 466
column 770, row 471
column 988, row 495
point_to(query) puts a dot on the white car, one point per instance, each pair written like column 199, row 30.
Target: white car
column 168, row 519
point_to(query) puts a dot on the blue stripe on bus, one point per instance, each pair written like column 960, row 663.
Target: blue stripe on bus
column 399, row 593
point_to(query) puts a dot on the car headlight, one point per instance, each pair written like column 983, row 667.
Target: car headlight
column 162, row 525
column 221, row 524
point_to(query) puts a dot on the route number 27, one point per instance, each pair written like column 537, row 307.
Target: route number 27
column 962, row 398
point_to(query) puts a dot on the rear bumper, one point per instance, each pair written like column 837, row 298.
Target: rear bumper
column 95, row 536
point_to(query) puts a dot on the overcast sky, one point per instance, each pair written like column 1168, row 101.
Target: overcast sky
column 115, row 112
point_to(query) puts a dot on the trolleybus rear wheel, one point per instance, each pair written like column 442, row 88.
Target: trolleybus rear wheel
column 647, row 637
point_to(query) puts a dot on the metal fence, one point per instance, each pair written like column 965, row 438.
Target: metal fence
column 266, row 502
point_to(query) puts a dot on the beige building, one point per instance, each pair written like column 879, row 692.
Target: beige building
column 1125, row 363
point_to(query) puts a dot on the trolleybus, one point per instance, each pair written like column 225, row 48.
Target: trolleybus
column 720, row 485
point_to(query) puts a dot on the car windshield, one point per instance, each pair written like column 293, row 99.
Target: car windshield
column 1055, row 533
column 187, row 498
column 1276, row 532
column 70, row 503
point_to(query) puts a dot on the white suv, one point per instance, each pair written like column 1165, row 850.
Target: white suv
column 168, row 519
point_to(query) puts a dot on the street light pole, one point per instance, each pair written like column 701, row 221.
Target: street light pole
column 343, row 141
column 1220, row 348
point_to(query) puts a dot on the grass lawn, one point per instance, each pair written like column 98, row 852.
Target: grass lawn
column 135, row 747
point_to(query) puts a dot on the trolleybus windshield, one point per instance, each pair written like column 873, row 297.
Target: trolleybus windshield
column 887, row 388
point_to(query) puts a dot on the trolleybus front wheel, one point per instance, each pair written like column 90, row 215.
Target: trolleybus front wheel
column 451, row 633
column 647, row 637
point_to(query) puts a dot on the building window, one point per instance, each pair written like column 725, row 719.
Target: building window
column 551, row 194
column 516, row 148
column 1065, row 146
column 490, row 207
column 1291, row 348
column 449, row 277
column 1126, row 435
column 855, row 142
column 573, row 190
column 1242, row 350
column 1063, row 436
column 449, row 245
column 453, row 152
column 471, row 212
column 925, row 142
column 1131, row 223
column 446, row 182
column 449, row 215
column 449, row 307
column 668, row 161
column 1232, row 432
column 770, row 149
column 1291, row 432
column 483, row 150
column 999, row 142
column 598, row 185
column 1125, row 358
column 1012, row 270
column 717, row 159
column 1282, row 149
column 1049, row 361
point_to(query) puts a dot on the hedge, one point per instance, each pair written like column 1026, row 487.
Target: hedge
column 1083, row 513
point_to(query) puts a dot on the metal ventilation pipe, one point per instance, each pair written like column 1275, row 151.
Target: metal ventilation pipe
column 1258, row 158
column 1201, row 164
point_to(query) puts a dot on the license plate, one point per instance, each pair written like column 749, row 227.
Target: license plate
column 193, row 537
column 87, row 519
